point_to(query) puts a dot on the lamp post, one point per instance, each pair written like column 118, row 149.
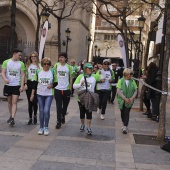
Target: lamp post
column 45, row 15
column 67, row 31
column 95, row 48
column 141, row 25
column 89, row 41
column 132, row 34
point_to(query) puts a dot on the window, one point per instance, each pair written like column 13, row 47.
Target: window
column 109, row 37
column 109, row 8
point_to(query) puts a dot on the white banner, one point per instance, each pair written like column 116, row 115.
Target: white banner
column 43, row 39
column 121, row 45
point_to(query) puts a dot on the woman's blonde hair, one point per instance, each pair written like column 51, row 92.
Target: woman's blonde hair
column 30, row 61
column 127, row 71
column 45, row 59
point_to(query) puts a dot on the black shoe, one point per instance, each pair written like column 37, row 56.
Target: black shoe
column 112, row 102
column 154, row 118
column 12, row 122
column 63, row 120
column 9, row 120
column 145, row 113
column 149, row 115
column 29, row 122
column 58, row 126
column 35, row 120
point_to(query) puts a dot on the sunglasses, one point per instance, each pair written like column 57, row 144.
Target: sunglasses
column 46, row 64
column 95, row 67
column 106, row 64
column 33, row 56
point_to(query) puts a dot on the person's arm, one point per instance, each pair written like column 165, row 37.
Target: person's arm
column 26, row 78
column 122, row 96
column 3, row 73
column 77, row 84
column 22, row 80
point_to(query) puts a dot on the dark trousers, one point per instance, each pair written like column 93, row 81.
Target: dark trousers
column 103, row 97
column 62, row 98
column 83, row 111
column 31, row 105
column 113, row 93
column 125, row 115
column 72, row 92
column 146, row 101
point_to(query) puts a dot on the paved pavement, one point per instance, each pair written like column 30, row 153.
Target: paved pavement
column 68, row 149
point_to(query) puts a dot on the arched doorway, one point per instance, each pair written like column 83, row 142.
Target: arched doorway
column 5, row 38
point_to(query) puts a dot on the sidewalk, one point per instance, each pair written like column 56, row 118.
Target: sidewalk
column 68, row 149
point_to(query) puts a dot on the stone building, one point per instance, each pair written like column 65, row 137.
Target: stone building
column 26, row 21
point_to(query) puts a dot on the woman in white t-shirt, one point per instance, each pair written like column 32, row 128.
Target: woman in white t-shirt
column 43, row 83
column 31, row 67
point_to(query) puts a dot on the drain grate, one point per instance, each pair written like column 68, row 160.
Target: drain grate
column 99, row 137
column 145, row 139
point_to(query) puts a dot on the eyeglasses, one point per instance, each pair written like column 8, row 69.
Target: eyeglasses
column 106, row 64
column 46, row 64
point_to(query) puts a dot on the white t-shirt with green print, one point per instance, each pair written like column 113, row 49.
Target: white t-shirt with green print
column 13, row 71
column 31, row 71
column 44, row 79
column 91, row 82
column 62, row 75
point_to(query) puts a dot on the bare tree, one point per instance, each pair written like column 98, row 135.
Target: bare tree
column 60, row 10
column 124, row 9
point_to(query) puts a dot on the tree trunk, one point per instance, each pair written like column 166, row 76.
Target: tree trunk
column 13, row 25
column 162, row 117
column 59, row 35
column 37, row 29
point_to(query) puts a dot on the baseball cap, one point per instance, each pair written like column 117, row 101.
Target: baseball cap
column 87, row 65
column 106, row 60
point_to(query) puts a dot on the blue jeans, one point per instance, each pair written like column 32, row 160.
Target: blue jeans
column 44, row 108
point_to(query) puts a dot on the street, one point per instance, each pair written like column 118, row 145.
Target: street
column 68, row 149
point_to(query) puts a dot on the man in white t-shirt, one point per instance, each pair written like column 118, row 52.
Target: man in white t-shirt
column 13, row 74
column 63, row 77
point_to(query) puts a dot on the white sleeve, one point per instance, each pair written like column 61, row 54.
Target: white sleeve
column 76, row 86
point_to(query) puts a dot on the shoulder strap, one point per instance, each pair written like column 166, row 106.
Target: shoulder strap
column 85, row 83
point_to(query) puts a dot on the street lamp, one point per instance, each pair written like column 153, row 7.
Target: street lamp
column 89, row 41
column 45, row 15
column 132, row 34
column 95, row 48
column 67, row 32
column 141, row 26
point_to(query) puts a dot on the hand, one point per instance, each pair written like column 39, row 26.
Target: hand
column 25, row 87
column 82, row 82
column 143, row 77
column 102, row 80
column 21, row 89
column 31, row 98
column 110, row 80
column 131, row 100
column 127, row 101
column 6, row 81
column 50, row 86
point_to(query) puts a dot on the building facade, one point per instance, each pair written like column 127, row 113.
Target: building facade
column 26, row 23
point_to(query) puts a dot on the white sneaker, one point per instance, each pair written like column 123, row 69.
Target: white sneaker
column 102, row 117
column 46, row 131
column 41, row 131
column 124, row 130
column 98, row 111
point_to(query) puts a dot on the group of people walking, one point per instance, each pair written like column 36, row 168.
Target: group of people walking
column 42, row 82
